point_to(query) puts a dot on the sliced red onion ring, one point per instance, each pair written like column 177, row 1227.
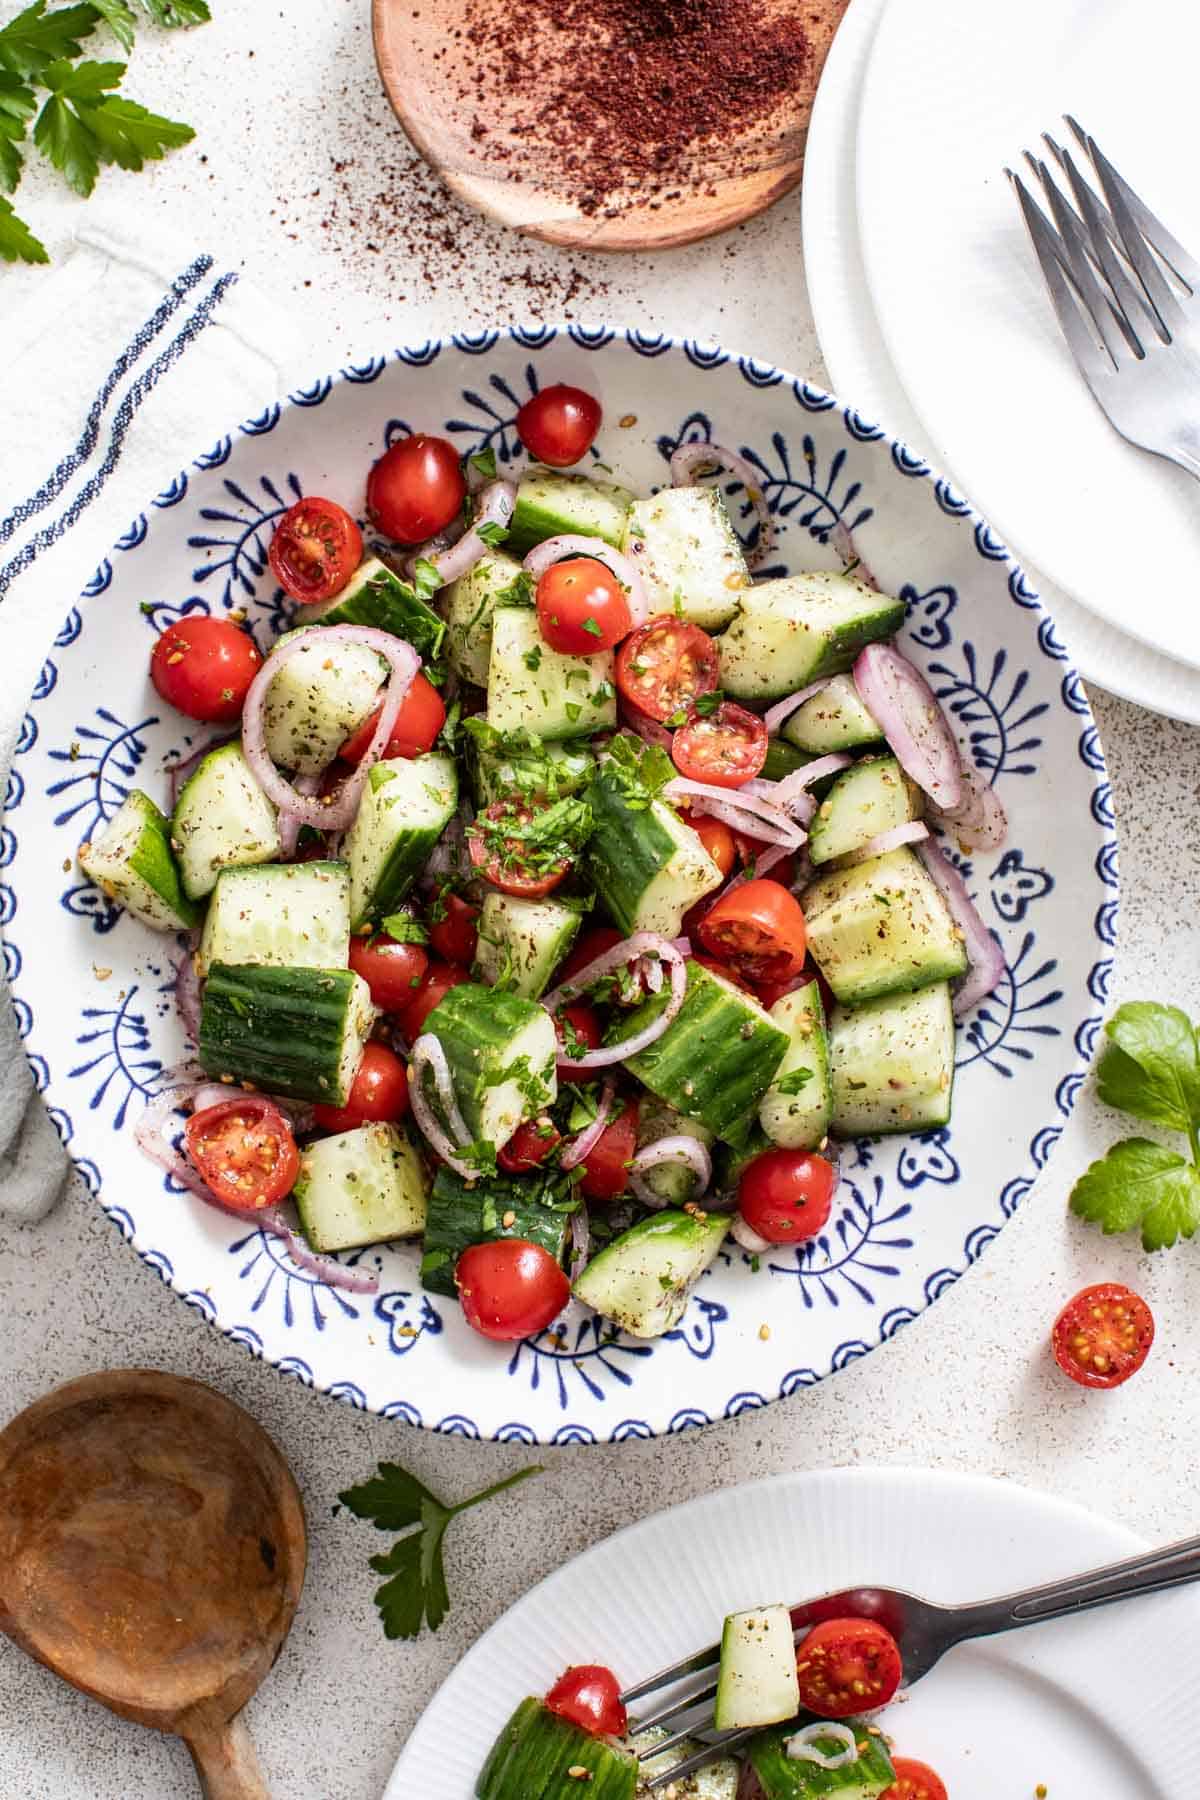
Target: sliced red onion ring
column 782, row 710
column 290, row 826
column 187, row 995
column 151, row 1138
column 906, row 709
column 177, row 773
column 648, row 729
column 914, row 831
column 748, row 1238
column 802, row 1746
column 842, row 540
column 544, row 556
column 650, row 971
column 676, row 1149
column 581, row 1242
column 689, row 459
column 582, row 1146
column 496, row 502
column 741, row 811
column 987, row 965
column 338, row 813
column 979, row 822
column 642, row 943
column 427, row 1053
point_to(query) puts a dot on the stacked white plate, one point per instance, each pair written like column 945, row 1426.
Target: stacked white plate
column 931, row 311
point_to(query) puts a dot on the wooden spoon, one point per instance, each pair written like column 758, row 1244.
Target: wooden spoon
column 478, row 152
column 152, row 1553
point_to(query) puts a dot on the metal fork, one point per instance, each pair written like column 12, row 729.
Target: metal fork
column 923, row 1629
column 1126, row 295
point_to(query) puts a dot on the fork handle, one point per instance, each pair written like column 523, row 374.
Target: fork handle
column 1150, row 1573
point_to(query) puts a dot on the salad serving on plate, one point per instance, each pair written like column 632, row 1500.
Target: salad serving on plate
column 558, row 893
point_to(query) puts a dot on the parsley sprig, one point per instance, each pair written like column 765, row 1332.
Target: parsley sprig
column 415, row 1591
column 70, row 106
column 643, row 770
column 1150, row 1068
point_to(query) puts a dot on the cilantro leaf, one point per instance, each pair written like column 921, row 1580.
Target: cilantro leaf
column 174, row 13
column 118, row 16
column 416, row 1591
column 35, row 39
column 1150, row 1067
column 402, row 928
column 17, row 242
column 1141, row 1183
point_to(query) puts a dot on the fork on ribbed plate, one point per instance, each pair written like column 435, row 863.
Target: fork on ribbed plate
column 923, row 1630
column 1127, row 295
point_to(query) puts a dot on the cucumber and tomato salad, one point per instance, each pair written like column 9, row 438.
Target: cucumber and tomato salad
column 596, row 880
column 795, row 1699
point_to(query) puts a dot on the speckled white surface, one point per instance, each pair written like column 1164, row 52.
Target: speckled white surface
column 280, row 95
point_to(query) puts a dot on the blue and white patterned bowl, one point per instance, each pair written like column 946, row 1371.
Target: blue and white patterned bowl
column 912, row 1213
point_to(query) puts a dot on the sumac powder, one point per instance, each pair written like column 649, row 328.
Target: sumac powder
column 631, row 102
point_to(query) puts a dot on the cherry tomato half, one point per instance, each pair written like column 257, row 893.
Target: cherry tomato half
column 758, row 927
column 1103, row 1336
column 914, row 1781
column 578, row 1029
column 582, row 607
column 723, row 748
column 665, row 665
column 529, row 1145
column 606, row 1165
column 501, row 860
column 716, row 838
column 590, row 1697
column 415, row 489
column 559, row 425
column 436, row 983
column 203, row 667
column 787, row 1195
column 315, row 550
column 456, row 933
column 245, row 1150
column 510, row 1288
column 379, row 1092
column 847, row 1666
column 392, row 971
column 421, row 717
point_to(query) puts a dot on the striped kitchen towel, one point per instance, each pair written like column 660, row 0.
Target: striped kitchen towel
column 130, row 355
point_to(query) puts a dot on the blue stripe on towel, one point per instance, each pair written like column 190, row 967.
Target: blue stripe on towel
column 122, row 420
column 56, row 482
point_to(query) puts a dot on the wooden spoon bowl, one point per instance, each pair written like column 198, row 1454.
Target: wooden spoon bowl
column 481, row 150
column 152, row 1553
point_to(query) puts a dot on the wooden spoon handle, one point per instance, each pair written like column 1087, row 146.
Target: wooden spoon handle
column 226, row 1762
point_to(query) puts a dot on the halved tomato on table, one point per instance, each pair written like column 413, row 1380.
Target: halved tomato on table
column 245, row 1150
column 421, row 717
column 315, row 549
column 665, row 666
column 847, row 1666
column 505, row 851
column 724, row 748
column 1103, row 1336
column 758, row 928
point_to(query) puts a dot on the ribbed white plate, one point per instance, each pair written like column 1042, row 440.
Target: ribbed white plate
column 857, row 357
column 1100, row 1706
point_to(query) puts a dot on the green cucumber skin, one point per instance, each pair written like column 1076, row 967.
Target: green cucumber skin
column 378, row 883
column 702, row 1064
column 534, row 936
column 644, row 1278
column 278, row 1029
column 834, row 719
column 781, row 1778
column 152, row 861
column 383, row 600
column 533, row 1753
column 730, row 1161
column 782, row 759
column 473, row 1024
column 881, row 928
column 627, row 849
column 577, row 507
column 461, row 1214
column 868, row 798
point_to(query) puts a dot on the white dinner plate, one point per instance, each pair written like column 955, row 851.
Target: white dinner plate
column 856, row 354
column 951, row 95
column 1099, row 1705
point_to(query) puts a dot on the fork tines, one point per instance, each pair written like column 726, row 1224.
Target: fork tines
column 1116, row 275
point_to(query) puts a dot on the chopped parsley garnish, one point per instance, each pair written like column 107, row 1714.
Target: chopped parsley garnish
column 793, row 1081
column 402, row 928
column 643, row 770
column 533, row 659
column 590, row 625
column 491, row 533
column 484, row 463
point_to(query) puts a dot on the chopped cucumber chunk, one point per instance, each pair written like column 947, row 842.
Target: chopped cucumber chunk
column 553, row 504
column 318, row 699
column 406, row 805
column 781, row 1777
column 674, row 1182
column 757, row 1682
column 649, row 866
column 891, row 1063
column 496, row 580
column 689, row 555
column 531, row 773
column 222, row 820
column 295, row 915
column 880, row 928
column 376, row 595
column 502, row 1053
column 642, row 1279
column 715, row 1781
column 534, row 688
column 522, row 942
column 834, row 719
column 463, row 1213
column 132, row 861
column 298, row 1032
column 795, row 1110
column 870, row 797
column 364, row 1186
column 793, row 630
